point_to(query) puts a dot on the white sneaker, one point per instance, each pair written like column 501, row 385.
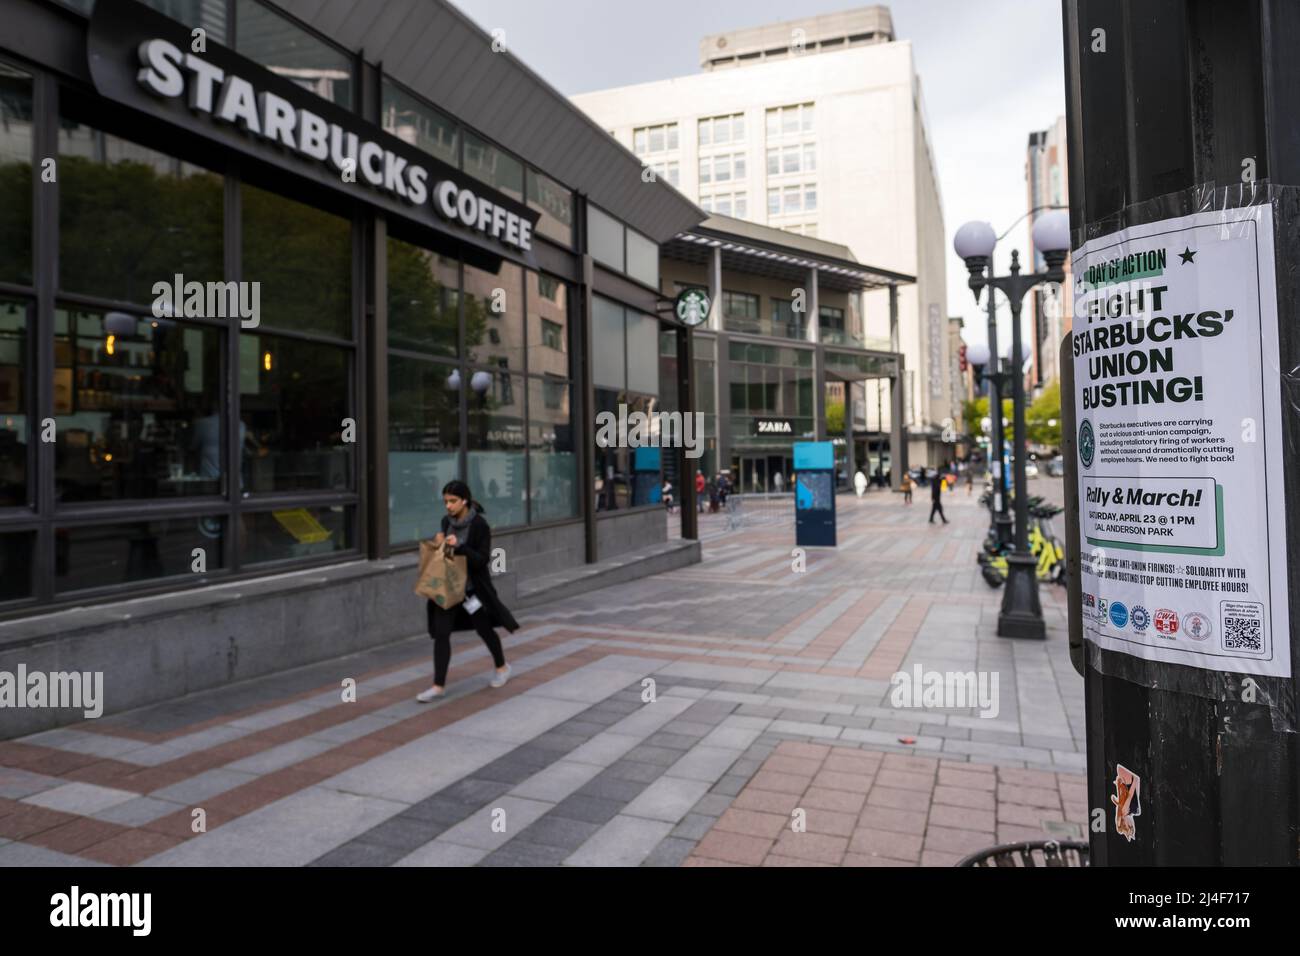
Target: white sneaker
column 425, row 696
column 500, row 677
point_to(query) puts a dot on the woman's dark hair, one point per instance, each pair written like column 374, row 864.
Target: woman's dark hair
column 461, row 490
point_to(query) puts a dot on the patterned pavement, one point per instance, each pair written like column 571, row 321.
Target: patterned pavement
column 735, row 712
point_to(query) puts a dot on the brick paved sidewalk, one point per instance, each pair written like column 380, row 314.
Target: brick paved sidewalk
column 769, row 686
column 866, row 808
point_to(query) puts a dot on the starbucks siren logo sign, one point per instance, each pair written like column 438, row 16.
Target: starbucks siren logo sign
column 692, row 306
column 1087, row 444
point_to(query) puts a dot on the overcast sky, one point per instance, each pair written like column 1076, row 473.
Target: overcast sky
column 991, row 72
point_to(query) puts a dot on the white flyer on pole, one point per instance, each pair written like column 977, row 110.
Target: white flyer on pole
column 1178, row 406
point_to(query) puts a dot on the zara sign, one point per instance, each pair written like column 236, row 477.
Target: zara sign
column 223, row 96
column 773, row 426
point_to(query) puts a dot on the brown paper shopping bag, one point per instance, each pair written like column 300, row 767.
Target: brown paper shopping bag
column 442, row 575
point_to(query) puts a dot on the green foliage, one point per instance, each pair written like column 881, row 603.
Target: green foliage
column 835, row 419
column 1046, row 408
column 976, row 410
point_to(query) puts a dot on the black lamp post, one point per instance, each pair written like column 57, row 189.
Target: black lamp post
column 1021, row 615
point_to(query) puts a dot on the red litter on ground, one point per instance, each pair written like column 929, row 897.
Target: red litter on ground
column 907, row 740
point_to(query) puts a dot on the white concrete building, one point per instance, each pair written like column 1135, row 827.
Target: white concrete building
column 816, row 126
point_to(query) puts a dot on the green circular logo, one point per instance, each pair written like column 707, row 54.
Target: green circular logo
column 692, row 306
column 1087, row 444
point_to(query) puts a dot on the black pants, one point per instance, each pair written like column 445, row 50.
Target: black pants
column 935, row 507
column 440, row 623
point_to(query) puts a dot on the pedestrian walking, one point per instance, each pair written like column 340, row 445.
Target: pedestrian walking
column 699, row 490
column 908, row 484
column 713, row 497
column 970, row 481
column 668, row 496
column 467, row 532
column 936, row 505
column 860, row 483
column 778, row 482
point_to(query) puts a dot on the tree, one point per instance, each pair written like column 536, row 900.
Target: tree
column 1043, row 417
column 835, row 418
column 976, row 410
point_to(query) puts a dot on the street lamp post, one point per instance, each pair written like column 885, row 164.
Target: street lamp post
column 1021, row 614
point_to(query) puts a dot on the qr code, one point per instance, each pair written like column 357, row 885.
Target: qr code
column 1242, row 634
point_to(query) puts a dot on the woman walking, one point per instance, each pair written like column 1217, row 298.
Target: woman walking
column 466, row 530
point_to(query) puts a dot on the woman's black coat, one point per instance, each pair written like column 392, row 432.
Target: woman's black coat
column 477, row 550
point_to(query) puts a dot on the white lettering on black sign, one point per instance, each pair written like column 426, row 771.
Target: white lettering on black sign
column 166, row 71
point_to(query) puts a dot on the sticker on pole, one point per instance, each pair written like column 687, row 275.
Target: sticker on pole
column 1127, row 800
column 1178, row 400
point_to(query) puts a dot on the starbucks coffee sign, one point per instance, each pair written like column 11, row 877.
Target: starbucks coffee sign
column 150, row 62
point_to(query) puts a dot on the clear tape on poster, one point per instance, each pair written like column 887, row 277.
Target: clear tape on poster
column 1248, row 696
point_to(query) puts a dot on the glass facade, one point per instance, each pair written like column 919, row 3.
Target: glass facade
column 283, row 47
column 15, row 398
column 15, row 175
column 511, row 389
column 130, row 216
column 188, row 443
column 137, row 407
column 555, row 203
column 494, row 166
column 626, row 372
column 301, row 259
column 414, row 122
column 87, row 558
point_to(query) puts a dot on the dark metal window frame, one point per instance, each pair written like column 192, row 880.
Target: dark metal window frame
column 45, row 516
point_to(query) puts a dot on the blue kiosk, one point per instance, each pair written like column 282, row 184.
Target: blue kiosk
column 814, row 494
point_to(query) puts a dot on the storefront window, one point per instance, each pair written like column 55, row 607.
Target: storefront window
column 137, row 407
column 552, row 462
column 608, row 344
column 786, row 322
column 605, row 238
column 285, row 48
column 420, row 125
column 642, row 353
column 302, row 259
column 626, row 477
column 423, row 289
column 555, row 203
column 193, row 13
column 548, row 325
column 496, row 443
column 15, row 175
column 106, row 555
column 130, row 217
column 15, row 435
column 494, row 166
column 642, row 259
column 423, row 444
column 294, row 398
column 296, row 533
column 494, row 316
column 16, row 565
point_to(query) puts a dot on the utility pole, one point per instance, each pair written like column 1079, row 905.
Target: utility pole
column 1184, row 162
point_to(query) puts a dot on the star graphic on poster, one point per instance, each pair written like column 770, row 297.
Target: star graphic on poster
column 1187, row 255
